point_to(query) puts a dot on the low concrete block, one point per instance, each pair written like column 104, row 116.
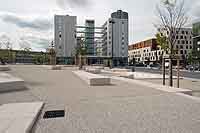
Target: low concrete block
column 56, row 67
column 126, row 75
column 93, row 79
column 93, row 70
column 53, row 67
column 5, row 68
column 19, row 117
column 120, row 70
column 10, row 83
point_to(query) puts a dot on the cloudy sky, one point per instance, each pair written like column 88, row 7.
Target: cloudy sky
column 30, row 22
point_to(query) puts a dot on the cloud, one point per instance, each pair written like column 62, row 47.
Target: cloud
column 39, row 23
column 34, row 42
column 73, row 3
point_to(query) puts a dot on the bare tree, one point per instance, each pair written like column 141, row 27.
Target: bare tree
column 172, row 17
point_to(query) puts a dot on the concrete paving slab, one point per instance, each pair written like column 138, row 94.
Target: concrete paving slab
column 10, row 83
column 19, row 117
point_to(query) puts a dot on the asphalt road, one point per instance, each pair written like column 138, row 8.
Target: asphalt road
column 187, row 74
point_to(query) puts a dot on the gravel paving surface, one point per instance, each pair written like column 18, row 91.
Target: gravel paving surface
column 118, row 108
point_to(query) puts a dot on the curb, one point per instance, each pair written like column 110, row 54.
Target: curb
column 155, row 86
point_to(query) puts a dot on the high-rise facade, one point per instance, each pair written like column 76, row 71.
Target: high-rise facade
column 115, row 38
column 65, row 35
column 89, row 36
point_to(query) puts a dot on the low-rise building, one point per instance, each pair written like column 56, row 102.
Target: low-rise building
column 145, row 51
column 149, row 51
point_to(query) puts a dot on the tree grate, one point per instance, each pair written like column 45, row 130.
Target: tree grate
column 54, row 114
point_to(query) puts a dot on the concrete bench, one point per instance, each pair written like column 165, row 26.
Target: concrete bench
column 93, row 79
column 93, row 70
column 10, row 83
column 120, row 70
column 5, row 68
column 125, row 74
column 19, row 117
column 53, row 67
column 56, row 67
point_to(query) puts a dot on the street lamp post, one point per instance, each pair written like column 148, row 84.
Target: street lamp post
column 112, row 22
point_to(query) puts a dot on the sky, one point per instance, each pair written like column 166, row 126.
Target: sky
column 30, row 22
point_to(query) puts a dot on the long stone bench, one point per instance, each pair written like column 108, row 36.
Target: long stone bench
column 19, row 117
column 125, row 74
column 10, row 83
column 93, row 70
column 93, row 79
column 120, row 70
column 53, row 67
column 4, row 68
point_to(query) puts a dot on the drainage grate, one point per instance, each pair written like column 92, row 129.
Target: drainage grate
column 54, row 114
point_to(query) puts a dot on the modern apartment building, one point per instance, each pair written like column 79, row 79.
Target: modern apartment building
column 98, row 48
column 145, row 51
column 89, row 36
column 115, row 38
column 196, row 37
column 65, row 35
column 148, row 51
column 184, row 42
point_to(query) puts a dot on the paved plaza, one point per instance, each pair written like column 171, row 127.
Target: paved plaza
column 121, row 107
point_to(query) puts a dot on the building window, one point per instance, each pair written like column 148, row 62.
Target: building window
column 176, row 37
column 186, row 42
column 178, row 42
column 181, row 37
column 183, row 32
column 190, row 47
column 186, row 32
column 181, row 46
column 186, row 46
column 185, row 37
column 185, row 51
column 181, row 51
column 183, row 42
column 176, row 46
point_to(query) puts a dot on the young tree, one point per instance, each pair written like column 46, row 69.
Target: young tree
column 172, row 17
column 81, row 51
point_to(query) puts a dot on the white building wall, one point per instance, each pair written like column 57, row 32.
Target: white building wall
column 65, row 35
column 120, row 37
